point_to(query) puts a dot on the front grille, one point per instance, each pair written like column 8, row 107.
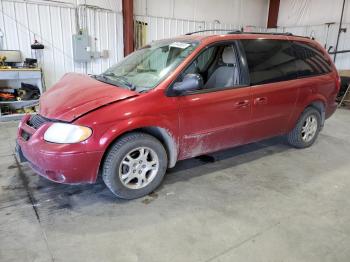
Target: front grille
column 37, row 121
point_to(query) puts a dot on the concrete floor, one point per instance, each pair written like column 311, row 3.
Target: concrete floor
column 260, row 202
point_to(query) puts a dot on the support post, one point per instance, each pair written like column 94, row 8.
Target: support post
column 128, row 26
column 339, row 31
column 274, row 7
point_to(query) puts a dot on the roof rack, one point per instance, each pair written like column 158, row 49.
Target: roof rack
column 270, row 33
column 229, row 31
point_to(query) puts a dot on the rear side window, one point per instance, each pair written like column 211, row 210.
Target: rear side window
column 269, row 61
column 309, row 60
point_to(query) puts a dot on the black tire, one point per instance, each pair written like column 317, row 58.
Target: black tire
column 116, row 154
column 295, row 137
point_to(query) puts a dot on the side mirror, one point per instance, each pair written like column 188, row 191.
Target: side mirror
column 190, row 82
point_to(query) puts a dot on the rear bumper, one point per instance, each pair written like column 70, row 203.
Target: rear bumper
column 68, row 164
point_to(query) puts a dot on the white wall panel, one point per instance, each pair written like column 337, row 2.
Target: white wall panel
column 311, row 12
column 114, row 5
column 54, row 26
column 309, row 18
column 247, row 12
column 160, row 27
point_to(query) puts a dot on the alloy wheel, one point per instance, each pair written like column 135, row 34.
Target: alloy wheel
column 138, row 168
column 309, row 128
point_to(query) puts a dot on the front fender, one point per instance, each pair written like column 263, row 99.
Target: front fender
column 164, row 130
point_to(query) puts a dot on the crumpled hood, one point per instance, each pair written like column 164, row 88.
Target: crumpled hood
column 77, row 94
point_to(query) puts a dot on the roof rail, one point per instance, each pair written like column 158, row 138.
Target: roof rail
column 229, row 31
column 262, row 33
column 273, row 33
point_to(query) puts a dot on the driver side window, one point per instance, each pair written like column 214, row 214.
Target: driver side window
column 199, row 65
column 218, row 67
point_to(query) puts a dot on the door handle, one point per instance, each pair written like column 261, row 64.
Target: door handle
column 242, row 104
column 260, row 101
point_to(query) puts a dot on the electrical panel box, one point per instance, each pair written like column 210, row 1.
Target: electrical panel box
column 81, row 48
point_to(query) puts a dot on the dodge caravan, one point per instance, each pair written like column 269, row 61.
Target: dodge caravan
column 176, row 99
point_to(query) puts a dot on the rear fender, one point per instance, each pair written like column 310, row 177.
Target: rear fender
column 316, row 100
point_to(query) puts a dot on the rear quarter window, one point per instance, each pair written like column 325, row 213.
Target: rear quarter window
column 309, row 60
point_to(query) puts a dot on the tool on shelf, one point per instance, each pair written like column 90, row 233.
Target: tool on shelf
column 20, row 90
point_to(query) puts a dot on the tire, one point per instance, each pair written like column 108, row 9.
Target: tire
column 299, row 137
column 134, row 165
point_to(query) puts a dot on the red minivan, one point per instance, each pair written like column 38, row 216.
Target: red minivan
column 175, row 99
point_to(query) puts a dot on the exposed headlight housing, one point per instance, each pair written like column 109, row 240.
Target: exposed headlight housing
column 62, row 133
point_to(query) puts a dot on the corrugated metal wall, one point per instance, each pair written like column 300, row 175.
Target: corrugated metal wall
column 162, row 27
column 247, row 12
column 53, row 26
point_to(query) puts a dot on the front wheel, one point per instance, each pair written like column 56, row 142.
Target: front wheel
column 306, row 130
column 134, row 166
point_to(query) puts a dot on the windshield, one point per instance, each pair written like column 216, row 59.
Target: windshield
column 145, row 68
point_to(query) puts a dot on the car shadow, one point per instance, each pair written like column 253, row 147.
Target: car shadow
column 229, row 158
column 53, row 197
column 59, row 196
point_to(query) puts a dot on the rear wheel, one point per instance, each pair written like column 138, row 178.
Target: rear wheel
column 306, row 130
column 134, row 166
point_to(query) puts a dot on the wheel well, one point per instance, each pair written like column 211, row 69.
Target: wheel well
column 319, row 105
column 166, row 139
column 161, row 134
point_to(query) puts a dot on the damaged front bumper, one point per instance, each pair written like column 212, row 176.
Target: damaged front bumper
column 61, row 163
column 19, row 154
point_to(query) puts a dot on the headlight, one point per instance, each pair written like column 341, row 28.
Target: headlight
column 66, row 133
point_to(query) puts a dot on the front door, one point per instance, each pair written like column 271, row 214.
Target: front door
column 216, row 116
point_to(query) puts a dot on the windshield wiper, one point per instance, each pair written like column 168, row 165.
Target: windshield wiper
column 121, row 79
column 107, row 80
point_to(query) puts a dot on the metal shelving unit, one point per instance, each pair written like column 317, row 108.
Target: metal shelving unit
column 12, row 79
